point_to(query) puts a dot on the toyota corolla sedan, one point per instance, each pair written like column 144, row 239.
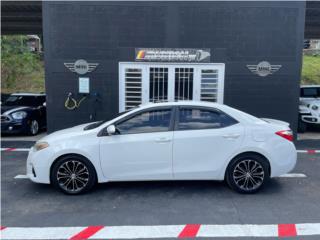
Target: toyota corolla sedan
column 166, row 141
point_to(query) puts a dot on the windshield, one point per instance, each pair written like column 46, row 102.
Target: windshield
column 99, row 123
column 16, row 100
column 313, row 92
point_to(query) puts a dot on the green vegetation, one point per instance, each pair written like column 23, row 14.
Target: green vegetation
column 21, row 70
column 311, row 70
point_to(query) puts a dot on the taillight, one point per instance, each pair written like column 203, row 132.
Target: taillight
column 287, row 134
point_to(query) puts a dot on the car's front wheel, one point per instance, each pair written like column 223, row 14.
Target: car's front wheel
column 33, row 127
column 73, row 174
column 247, row 173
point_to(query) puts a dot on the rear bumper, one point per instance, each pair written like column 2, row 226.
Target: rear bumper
column 284, row 159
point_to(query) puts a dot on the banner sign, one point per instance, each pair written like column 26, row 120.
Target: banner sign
column 172, row 55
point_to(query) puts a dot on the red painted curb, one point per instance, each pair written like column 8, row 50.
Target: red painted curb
column 190, row 231
column 86, row 233
column 287, row 230
column 2, row 227
column 10, row 149
column 311, row 151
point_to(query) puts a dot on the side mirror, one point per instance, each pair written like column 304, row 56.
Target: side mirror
column 111, row 129
column 44, row 104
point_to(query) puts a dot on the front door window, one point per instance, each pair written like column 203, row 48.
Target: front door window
column 146, row 122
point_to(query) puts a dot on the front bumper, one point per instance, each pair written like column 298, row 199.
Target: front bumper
column 14, row 126
column 38, row 167
column 310, row 119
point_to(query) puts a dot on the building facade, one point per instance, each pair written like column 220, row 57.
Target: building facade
column 114, row 55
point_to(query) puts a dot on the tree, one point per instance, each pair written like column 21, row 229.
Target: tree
column 18, row 64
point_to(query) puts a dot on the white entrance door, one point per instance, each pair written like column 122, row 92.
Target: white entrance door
column 157, row 82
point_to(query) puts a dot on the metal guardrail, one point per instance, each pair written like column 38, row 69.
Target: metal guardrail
column 311, row 52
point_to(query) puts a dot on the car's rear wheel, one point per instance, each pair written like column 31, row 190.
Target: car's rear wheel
column 73, row 175
column 33, row 127
column 247, row 173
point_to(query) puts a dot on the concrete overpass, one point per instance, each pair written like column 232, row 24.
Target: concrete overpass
column 25, row 17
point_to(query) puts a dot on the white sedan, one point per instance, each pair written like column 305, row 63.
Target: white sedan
column 166, row 141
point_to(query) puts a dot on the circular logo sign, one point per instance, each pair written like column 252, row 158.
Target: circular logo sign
column 81, row 66
column 264, row 69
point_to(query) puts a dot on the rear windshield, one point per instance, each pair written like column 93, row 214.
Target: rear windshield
column 313, row 92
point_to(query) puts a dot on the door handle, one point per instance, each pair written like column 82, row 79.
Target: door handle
column 231, row 136
column 162, row 140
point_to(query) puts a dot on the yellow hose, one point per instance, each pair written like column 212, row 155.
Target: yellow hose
column 74, row 103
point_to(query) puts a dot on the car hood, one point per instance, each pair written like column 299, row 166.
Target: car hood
column 65, row 133
column 311, row 101
column 5, row 110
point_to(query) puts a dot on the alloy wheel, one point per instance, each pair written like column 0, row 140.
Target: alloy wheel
column 248, row 175
column 73, row 176
column 34, row 127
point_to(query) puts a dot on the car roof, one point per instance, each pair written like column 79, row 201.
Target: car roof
column 28, row 94
column 182, row 103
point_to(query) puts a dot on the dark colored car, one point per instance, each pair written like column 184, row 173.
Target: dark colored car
column 23, row 113
column 4, row 97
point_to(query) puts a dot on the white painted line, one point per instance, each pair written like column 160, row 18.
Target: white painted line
column 308, row 229
column 40, row 233
column 293, row 175
column 238, row 231
column 288, row 175
column 21, row 177
column 162, row 231
column 310, row 151
column 22, row 149
column 127, row 232
column 16, row 149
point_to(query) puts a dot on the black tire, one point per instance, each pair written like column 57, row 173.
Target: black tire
column 33, row 127
column 302, row 126
column 260, row 173
column 81, row 170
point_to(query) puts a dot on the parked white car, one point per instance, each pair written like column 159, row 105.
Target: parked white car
column 309, row 107
column 166, row 141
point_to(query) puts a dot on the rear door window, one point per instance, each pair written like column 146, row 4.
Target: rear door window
column 200, row 118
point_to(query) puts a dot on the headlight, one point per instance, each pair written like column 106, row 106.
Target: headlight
column 315, row 107
column 19, row 115
column 40, row 145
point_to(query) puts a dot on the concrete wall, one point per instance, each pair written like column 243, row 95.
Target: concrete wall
column 238, row 33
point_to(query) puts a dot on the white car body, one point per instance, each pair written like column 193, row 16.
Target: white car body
column 173, row 155
column 309, row 107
